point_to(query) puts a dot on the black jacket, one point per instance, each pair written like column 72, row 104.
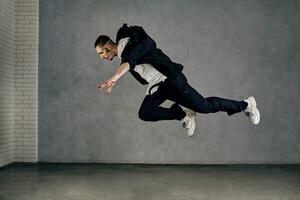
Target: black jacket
column 141, row 49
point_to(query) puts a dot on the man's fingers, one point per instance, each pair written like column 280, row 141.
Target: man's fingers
column 100, row 87
column 108, row 91
column 103, row 85
column 109, row 84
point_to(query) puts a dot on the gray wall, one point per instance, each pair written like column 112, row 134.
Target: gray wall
column 7, row 80
column 230, row 49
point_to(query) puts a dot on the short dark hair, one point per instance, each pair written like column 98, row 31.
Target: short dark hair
column 102, row 40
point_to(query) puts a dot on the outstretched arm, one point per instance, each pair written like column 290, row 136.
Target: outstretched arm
column 124, row 67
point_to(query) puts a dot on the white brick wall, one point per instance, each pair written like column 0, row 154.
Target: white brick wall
column 7, row 67
column 18, row 80
column 26, row 85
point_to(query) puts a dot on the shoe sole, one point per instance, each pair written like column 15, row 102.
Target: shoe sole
column 192, row 115
column 258, row 114
column 253, row 104
column 192, row 129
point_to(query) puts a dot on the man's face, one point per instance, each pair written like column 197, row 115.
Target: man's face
column 105, row 52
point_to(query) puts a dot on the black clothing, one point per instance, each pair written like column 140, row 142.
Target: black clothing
column 182, row 93
column 141, row 49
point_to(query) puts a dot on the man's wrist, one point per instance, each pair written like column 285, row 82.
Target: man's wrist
column 127, row 65
column 115, row 78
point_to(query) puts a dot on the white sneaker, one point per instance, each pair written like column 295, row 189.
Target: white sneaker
column 188, row 122
column 251, row 111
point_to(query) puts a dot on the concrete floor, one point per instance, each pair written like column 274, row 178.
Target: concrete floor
column 142, row 182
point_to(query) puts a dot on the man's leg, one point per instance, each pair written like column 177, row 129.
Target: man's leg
column 191, row 99
column 151, row 110
column 187, row 96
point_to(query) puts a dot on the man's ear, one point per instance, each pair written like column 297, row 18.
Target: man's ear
column 108, row 46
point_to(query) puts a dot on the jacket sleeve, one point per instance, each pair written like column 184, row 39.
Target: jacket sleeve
column 141, row 42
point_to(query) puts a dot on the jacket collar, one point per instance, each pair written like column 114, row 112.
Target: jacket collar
column 121, row 45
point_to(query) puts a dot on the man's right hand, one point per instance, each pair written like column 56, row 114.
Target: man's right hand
column 109, row 84
column 101, row 85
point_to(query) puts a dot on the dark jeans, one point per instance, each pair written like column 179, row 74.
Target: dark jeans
column 180, row 92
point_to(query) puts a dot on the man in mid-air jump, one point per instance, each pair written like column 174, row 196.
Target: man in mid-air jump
column 149, row 65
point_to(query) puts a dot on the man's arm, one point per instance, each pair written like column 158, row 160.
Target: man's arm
column 124, row 67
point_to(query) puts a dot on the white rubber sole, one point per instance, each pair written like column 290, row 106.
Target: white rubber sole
column 192, row 116
column 252, row 102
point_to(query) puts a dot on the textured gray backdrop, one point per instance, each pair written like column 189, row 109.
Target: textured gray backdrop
column 231, row 49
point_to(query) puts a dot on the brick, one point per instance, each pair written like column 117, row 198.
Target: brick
column 19, row 78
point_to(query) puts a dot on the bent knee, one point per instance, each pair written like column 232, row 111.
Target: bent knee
column 143, row 115
column 146, row 115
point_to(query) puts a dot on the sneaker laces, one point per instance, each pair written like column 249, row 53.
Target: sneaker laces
column 249, row 113
column 186, row 124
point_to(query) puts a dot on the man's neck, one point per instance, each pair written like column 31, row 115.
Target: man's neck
column 115, row 49
column 121, row 45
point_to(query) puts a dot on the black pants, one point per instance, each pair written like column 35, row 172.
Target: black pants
column 180, row 92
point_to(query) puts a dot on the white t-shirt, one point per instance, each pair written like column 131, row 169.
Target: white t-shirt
column 146, row 71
